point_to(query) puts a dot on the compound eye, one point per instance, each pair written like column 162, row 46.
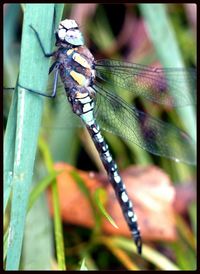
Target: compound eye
column 62, row 34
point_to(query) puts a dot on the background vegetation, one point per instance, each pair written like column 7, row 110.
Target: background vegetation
column 135, row 33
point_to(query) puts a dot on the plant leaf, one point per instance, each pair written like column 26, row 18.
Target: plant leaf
column 100, row 197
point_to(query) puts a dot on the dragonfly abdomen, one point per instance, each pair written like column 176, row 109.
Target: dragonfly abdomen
column 85, row 106
column 116, row 181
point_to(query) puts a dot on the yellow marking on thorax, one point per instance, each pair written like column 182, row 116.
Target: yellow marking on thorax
column 70, row 51
column 78, row 77
column 79, row 59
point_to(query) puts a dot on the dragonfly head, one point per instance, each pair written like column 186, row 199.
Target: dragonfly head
column 68, row 34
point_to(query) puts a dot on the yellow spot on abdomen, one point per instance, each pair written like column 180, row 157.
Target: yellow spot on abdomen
column 78, row 77
column 80, row 95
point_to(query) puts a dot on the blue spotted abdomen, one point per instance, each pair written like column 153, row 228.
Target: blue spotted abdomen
column 85, row 106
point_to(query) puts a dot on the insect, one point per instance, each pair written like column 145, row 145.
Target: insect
column 84, row 80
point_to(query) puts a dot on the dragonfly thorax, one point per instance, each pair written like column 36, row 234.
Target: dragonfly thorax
column 76, row 66
column 68, row 34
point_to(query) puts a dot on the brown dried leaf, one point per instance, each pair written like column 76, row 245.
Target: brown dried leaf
column 185, row 194
column 148, row 187
column 152, row 195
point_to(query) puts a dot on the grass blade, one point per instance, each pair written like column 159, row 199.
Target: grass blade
column 164, row 38
column 9, row 148
column 148, row 253
column 100, row 197
column 56, row 208
column 33, row 74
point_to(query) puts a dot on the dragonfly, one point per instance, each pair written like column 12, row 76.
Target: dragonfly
column 87, row 83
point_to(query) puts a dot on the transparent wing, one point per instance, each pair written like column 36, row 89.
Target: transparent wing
column 154, row 84
column 160, row 138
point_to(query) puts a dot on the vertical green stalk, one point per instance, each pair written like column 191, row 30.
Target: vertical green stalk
column 166, row 45
column 9, row 149
column 33, row 74
column 56, row 207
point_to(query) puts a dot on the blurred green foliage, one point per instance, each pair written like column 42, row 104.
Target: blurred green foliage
column 107, row 252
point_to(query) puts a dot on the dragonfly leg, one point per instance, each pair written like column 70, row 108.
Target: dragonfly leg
column 54, row 66
column 55, row 81
column 40, row 42
column 54, row 19
column 8, row 88
column 38, row 92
